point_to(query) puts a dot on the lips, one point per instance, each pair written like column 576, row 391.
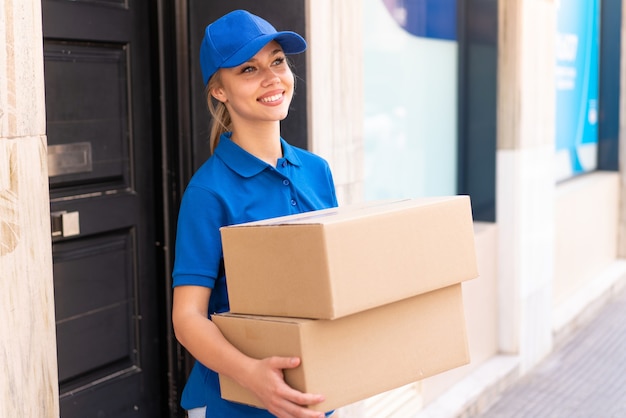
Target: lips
column 272, row 97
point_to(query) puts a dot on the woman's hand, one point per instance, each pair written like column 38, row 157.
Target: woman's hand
column 264, row 377
column 268, row 384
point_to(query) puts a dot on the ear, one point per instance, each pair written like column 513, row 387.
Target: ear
column 219, row 94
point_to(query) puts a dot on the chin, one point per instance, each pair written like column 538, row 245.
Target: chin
column 282, row 115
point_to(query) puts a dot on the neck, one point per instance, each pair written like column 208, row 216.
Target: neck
column 260, row 140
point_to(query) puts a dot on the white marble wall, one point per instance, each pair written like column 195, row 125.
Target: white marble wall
column 335, row 91
column 525, row 192
column 28, row 382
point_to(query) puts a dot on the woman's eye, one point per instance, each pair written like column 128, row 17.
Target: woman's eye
column 279, row 61
column 247, row 69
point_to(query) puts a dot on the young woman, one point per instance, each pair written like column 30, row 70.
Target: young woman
column 252, row 174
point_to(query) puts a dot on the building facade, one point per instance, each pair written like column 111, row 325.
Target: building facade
column 102, row 123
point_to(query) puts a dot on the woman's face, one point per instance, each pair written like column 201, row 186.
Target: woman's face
column 258, row 90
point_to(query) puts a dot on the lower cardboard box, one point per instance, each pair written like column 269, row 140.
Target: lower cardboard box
column 357, row 356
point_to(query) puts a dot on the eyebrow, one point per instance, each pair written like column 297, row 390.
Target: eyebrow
column 273, row 53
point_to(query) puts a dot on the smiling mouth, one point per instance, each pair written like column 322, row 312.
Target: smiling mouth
column 272, row 98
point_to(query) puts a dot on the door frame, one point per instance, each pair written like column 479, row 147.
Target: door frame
column 173, row 127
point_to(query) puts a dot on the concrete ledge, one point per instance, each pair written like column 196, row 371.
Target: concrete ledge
column 476, row 392
column 578, row 309
column 479, row 390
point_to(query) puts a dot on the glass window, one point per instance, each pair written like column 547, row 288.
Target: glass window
column 410, row 76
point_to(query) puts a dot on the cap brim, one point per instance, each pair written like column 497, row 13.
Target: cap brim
column 290, row 42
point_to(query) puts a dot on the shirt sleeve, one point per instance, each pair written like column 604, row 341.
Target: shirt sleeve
column 198, row 250
column 331, row 185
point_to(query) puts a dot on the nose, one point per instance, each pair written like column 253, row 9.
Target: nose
column 270, row 77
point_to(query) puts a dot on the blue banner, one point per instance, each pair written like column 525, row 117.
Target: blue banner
column 425, row 18
column 577, row 66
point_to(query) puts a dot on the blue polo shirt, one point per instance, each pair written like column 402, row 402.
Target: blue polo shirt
column 233, row 187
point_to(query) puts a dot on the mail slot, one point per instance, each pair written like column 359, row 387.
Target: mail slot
column 69, row 159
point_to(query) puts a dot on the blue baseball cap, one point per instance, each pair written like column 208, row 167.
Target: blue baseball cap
column 236, row 37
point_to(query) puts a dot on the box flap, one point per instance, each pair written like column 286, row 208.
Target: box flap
column 342, row 213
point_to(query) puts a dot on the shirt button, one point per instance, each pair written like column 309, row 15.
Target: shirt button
column 284, row 164
column 286, row 182
column 293, row 202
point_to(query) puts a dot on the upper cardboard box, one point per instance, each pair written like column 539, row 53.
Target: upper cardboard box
column 331, row 263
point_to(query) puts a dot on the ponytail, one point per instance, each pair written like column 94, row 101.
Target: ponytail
column 220, row 122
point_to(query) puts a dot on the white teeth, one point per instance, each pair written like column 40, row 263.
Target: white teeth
column 271, row 98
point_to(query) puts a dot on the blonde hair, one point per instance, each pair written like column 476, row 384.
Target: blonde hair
column 221, row 121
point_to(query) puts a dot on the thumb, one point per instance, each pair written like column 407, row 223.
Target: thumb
column 285, row 362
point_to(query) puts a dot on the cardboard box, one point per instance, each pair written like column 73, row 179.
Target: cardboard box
column 357, row 356
column 335, row 262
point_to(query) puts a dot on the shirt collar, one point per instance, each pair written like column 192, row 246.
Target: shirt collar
column 290, row 154
column 244, row 163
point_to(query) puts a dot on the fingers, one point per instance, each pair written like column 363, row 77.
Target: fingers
column 293, row 395
column 291, row 410
column 290, row 403
column 301, row 399
column 284, row 401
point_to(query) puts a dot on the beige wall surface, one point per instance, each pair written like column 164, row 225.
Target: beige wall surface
column 586, row 218
column 480, row 297
column 28, row 382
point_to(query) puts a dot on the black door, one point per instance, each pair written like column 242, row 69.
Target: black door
column 101, row 174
